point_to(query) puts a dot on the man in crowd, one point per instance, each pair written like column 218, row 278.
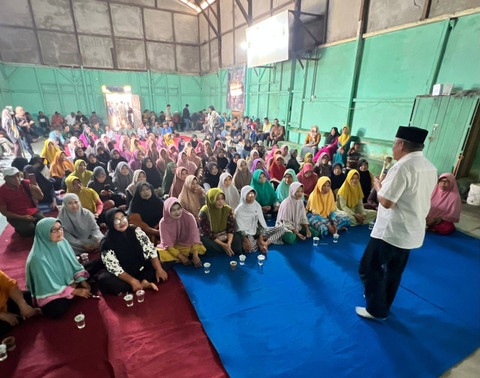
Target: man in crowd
column 17, row 204
column 186, row 117
column 70, row 119
column 404, row 202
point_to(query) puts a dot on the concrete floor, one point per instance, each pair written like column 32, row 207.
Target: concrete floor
column 469, row 224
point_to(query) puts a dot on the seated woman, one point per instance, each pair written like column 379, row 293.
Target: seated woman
column 152, row 151
column 259, row 164
column 293, row 162
column 153, row 174
column 292, row 216
column 53, row 274
column 49, row 152
column 211, row 176
column 232, row 165
column 311, row 142
column 192, row 195
column 82, row 172
column 193, row 157
column 337, row 177
column 179, row 235
column 283, row 189
column 217, row 225
column 343, row 145
column 308, row 160
column 232, row 198
column 324, row 216
column 278, row 168
column 38, row 163
column 181, row 174
column 136, row 162
column 79, row 226
column 122, row 177
column 308, row 179
column 350, row 200
column 322, row 166
column 48, row 190
column 93, row 162
column 222, row 160
column 251, row 224
column 80, row 155
column 366, row 179
column 254, row 155
column 103, row 155
column 266, row 196
column 445, row 207
column 106, row 189
column 58, row 168
column 329, row 148
column 116, row 158
column 168, row 177
column 162, row 161
column 146, row 210
column 242, row 175
column 89, row 198
column 15, row 305
column 185, row 163
column 130, row 258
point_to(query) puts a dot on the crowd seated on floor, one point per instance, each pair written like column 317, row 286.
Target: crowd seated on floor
column 144, row 198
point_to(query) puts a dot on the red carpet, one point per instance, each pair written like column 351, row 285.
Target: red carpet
column 160, row 337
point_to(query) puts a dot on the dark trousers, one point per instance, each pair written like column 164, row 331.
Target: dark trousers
column 212, row 247
column 108, row 283
column 381, row 270
column 58, row 307
column 25, row 227
column 13, row 309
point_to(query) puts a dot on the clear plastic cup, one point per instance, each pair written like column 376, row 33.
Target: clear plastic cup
column 335, row 238
column 3, row 352
column 206, row 267
column 316, row 241
column 371, row 225
column 84, row 257
column 233, row 265
column 261, row 259
column 242, row 259
column 128, row 300
column 80, row 321
column 140, row 296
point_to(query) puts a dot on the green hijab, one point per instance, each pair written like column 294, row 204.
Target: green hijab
column 51, row 267
column 168, row 177
column 265, row 193
column 218, row 217
column 283, row 188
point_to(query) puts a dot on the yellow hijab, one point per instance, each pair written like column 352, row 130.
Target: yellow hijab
column 83, row 177
column 88, row 197
column 218, row 217
column 345, row 137
column 49, row 152
column 352, row 194
column 168, row 141
column 319, row 203
column 133, row 147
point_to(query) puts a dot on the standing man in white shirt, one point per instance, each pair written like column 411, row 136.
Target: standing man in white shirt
column 404, row 202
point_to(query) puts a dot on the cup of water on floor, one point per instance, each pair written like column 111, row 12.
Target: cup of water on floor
column 316, row 241
column 84, row 258
column 206, row 267
column 242, row 259
column 3, row 352
column 261, row 259
column 80, row 321
column 371, row 225
column 128, row 300
column 335, row 238
column 10, row 343
column 233, row 265
column 140, row 296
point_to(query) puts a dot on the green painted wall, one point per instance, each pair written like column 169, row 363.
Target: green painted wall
column 60, row 89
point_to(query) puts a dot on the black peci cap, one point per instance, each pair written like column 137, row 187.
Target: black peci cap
column 412, row 134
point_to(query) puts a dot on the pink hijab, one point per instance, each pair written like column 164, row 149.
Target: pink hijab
column 446, row 204
column 183, row 231
column 292, row 211
column 190, row 167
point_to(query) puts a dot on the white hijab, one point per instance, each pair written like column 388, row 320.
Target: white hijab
column 232, row 198
column 247, row 215
column 291, row 213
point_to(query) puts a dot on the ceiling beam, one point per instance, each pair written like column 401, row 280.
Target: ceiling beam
column 207, row 18
column 244, row 12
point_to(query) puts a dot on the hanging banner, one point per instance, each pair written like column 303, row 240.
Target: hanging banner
column 236, row 88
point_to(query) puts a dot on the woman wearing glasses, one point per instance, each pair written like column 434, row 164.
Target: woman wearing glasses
column 129, row 256
column 54, row 276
